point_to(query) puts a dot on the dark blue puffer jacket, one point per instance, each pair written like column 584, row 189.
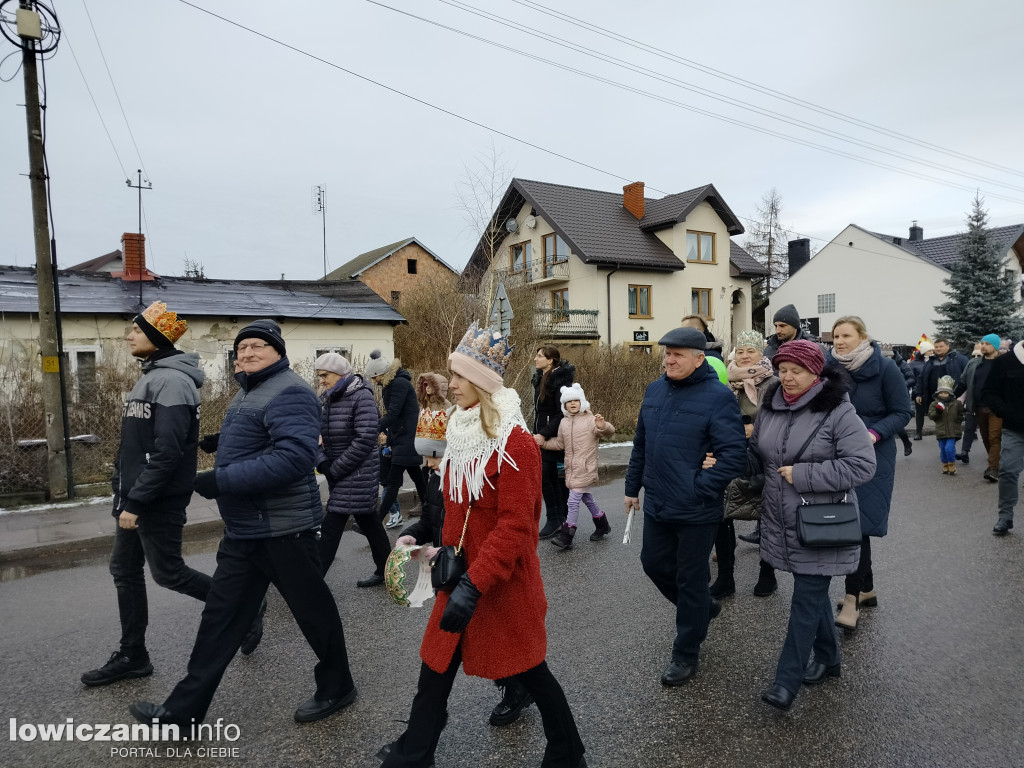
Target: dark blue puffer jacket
column 348, row 426
column 266, row 454
column 878, row 392
column 679, row 422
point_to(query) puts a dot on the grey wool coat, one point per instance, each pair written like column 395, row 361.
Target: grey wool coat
column 838, row 459
column 348, row 427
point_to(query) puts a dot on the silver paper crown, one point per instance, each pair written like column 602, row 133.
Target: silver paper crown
column 487, row 347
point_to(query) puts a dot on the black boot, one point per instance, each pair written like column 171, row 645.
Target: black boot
column 601, row 528
column 563, row 539
column 766, row 582
column 724, row 586
column 550, row 528
column 513, row 701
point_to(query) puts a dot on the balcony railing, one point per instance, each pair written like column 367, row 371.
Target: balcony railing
column 536, row 271
column 567, row 323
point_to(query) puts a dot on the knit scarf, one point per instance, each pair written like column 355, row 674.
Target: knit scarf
column 748, row 378
column 469, row 448
column 857, row 358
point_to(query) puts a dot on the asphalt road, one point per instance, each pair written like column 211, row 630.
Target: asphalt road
column 933, row 676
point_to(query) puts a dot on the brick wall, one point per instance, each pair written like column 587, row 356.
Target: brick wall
column 392, row 274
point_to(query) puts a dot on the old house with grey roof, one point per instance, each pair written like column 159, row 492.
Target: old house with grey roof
column 892, row 282
column 395, row 268
column 97, row 307
column 616, row 268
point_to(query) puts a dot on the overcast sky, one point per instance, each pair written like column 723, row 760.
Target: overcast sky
column 233, row 130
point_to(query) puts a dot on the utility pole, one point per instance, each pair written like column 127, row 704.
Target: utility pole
column 140, row 186
column 320, row 206
column 53, row 395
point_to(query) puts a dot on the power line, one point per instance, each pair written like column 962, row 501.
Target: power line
column 116, row 94
column 687, row 86
column 96, row 106
column 762, row 89
column 457, row 116
column 718, row 116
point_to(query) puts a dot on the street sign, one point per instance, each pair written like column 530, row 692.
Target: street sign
column 501, row 312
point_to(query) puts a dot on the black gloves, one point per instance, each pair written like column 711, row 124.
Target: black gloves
column 209, row 443
column 324, row 468
column 206, row 484
column 461, row 604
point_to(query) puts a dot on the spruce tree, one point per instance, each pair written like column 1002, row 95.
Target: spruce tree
column 981, row 299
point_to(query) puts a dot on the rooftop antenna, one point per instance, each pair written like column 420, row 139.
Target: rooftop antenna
column 320, row 207
column 140, row 186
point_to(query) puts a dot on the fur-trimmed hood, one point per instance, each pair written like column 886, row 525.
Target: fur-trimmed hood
column 439, row 400
column 835, row 389
column 388, row 376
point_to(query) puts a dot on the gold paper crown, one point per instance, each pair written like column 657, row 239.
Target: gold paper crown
column 432, row 425
column 167, row 323
column 487, row 347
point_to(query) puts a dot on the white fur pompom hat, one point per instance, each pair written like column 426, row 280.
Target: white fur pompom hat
column 574, row 392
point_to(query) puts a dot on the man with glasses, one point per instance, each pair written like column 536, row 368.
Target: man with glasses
column 267, row 494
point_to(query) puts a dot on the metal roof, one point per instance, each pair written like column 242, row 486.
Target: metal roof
column 100, row 293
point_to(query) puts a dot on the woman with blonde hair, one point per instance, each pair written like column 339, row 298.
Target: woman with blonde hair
column 491, row 620
column 878, row 392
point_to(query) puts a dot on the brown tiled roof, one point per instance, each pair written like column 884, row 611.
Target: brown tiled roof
column 94, row 264
column 598, row 229
column 945, row 251
column 745, row 264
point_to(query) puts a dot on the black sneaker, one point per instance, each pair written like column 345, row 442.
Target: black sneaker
column 118, row 667
column 255, row 634
column 754, row 537
column 991, row 476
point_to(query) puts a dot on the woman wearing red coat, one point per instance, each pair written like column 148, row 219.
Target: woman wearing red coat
column 492, row 622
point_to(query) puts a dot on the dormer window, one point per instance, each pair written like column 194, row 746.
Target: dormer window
column 700, row 247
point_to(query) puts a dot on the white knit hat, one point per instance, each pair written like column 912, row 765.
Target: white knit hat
column 377, row 366
column 333, row 362
column 574, row 392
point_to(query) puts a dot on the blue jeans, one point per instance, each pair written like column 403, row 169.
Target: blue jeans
column 157, row 541
column 811, row 625
column 947, row 449
column 1011, row 463
column 676, row 557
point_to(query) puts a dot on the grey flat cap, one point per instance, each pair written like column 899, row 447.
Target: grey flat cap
column 689, row 338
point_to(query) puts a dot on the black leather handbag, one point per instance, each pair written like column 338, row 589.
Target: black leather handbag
column 827, row 525
column 449, row 564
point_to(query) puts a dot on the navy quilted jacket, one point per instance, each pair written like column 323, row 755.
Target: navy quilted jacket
column 679, row 422
column 266, row 454
column 402, row 411
column 348, row 426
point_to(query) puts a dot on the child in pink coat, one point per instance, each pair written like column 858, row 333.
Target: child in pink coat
column 578, row 435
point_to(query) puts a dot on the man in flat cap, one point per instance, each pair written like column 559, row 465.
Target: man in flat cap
column 267, row 494
column 686, row 414
column 153, row 474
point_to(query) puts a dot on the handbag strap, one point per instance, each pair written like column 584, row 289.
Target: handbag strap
column 810, row 437
column 458, row 549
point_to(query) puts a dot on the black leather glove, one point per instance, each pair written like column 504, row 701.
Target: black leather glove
column 209, row 443
column 324, row 468
column 461, row 604
column 206, row 484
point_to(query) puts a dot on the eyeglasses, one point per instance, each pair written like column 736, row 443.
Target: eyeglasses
column 255, row 346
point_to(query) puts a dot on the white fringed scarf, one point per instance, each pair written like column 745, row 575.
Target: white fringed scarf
column 469, row 448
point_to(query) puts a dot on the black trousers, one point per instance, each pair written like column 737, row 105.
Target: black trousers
column 392, row 483
column 415, row 748
column 244, row 569
column 157, row 541
column 920, row 411
column 554, row 489
column 862, row 580
column 333, row 528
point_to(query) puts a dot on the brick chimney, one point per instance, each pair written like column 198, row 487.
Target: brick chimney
column 633, row 198
column 916, row 233
column 133, row 246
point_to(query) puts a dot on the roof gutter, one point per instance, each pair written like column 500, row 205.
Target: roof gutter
column 608, row 289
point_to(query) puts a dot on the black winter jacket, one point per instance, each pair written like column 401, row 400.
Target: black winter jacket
column 266, row 454
column 402, row 411
column 1004, row 390
column 155, row 465
column 928, row 380
column 548, row 413
column 348, row 456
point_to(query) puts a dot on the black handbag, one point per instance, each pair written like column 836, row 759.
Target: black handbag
column 449, row 564
column 826, row 525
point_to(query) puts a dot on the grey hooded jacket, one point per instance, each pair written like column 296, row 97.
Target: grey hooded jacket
column 838, row 459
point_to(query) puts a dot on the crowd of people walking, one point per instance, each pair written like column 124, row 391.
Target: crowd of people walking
column 804, row 434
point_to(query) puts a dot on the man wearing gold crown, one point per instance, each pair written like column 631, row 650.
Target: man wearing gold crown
column 153, row 475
